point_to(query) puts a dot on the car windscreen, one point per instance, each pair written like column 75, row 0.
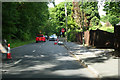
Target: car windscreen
column 39, row 35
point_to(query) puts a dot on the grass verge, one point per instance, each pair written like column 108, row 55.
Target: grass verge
column 17, row 43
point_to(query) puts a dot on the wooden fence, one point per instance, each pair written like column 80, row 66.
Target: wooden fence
column 98, row 38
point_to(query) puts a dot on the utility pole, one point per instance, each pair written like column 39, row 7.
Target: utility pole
column 66, row 19
column 83, row 24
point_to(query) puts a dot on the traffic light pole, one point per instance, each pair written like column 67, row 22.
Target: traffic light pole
column 66, row 19
column 83, row 24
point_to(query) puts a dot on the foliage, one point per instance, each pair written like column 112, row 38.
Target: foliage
column 10, row 18
column 93, row 28
column 94, row 21
column 17, row 43
column 87, row 10
column 71, row 36
column 112, row 8
column 100, row 25
column 91, row 10
column 108, row 29
column 113, row 12
column 74, row 25
column 104, row 28
column 57, row 17
column 22, row 20
column 111, row 18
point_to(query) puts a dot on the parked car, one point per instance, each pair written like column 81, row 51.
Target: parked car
column 40, row 37
column 60, row 43
column 53, row 37
column 46, row 37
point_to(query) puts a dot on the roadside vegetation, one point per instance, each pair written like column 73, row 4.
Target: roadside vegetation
column 89, row 11
column 22, row 20
column 74, row 17
column 104, row 28
column 17, row 43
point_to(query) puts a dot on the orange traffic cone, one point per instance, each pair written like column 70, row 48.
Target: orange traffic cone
column 8, row 53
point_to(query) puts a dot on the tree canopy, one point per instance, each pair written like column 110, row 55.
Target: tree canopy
column 57, row 16
column 112, row 12
column 86, row 10
column 22, row 20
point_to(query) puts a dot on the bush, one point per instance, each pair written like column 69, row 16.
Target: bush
column 100, row 25
column 26, row 36
column 94, row 21
column 114, row 20
column 107, row 24
column 71, row 36
column 110, row 18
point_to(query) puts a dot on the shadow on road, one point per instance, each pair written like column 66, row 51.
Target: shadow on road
column 47, row 63
column 42, row 60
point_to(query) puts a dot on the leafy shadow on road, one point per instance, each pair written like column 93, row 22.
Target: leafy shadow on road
column 47, row 66
column 99, row 59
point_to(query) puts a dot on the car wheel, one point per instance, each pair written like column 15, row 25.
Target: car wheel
column 36, row 41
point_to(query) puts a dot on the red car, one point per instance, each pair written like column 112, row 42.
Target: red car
column 40, row 37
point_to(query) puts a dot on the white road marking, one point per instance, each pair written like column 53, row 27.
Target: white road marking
column 18, row 61
column 42, row 55
column 4, row 70
column 34, row 51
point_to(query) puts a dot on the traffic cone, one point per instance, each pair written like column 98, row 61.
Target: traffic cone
column 8, row 53
column 57, row 40
column 55, row 43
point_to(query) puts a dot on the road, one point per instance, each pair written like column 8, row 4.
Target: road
column 44, row 60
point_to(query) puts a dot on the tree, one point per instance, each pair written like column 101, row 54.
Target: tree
column 10, row 18
column 112, row 12
column 88, row 10
column 94, row 21
column 22, row 20
column 113, row 15
column 57, row 16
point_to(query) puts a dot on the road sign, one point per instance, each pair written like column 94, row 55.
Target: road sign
column 63, row 30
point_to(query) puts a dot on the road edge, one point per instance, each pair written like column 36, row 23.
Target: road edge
column 98, row 75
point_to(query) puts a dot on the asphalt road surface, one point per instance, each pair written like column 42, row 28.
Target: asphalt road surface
column 44, row 60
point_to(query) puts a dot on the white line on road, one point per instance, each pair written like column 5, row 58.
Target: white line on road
column 18, row 61
column 34, row 51
column 42, row 55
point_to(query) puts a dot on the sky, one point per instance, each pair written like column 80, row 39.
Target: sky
column 56, row 2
